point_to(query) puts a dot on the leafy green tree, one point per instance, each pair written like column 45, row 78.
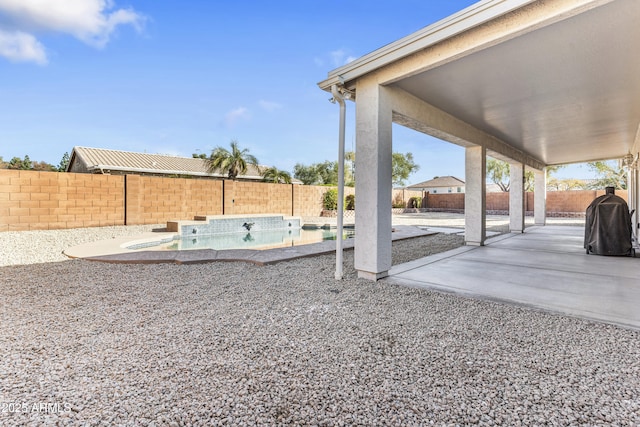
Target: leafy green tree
column 350, row 202
column 199, row 156
column 234, row 162
column 330, row 199
column 43, row 166
column 610, row 174
column 27, row 164
column 350, row 169
column 307, row 174
column 498, row 173
column 275, row 175
column 64, row 162
column 3, row 164
column 566, row 184
column 402, row 166
column 325, row 173
column 328, row 172
column 21, row 164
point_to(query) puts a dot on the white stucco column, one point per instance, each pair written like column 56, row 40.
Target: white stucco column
column 540, row 197
column 633, row 196
column 475, row 195
column 373, row 181
column 516, row 198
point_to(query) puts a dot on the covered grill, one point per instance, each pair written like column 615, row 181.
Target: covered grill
column 608, row 227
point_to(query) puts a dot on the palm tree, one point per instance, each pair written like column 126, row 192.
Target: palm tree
column 233, row 162
column 273, row 174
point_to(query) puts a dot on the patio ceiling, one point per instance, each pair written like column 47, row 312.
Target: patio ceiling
column 565, row 91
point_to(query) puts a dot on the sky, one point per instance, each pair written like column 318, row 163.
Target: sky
column 185, row 77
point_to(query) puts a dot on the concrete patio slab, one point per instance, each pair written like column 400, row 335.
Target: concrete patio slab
column 545, row 268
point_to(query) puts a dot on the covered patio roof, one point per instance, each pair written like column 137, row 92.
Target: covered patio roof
column 556, row 80
column 534, row 83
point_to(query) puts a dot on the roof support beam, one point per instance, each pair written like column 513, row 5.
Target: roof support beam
column 416, row 114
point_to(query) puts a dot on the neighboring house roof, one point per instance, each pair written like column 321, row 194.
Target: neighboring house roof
column 100, row 160
column 493, row 188
column 441, row 181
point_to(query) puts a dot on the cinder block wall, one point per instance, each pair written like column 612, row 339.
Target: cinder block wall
column 575, row 201
column 453, row 201
column 401, row 196
column 242, row 197
column 31, row 200
column 497, row 201
column 308, row 199
column 557, row 201
column 156, row 200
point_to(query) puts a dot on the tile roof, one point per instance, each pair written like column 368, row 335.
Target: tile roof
column 441, row 181
column 105, row 159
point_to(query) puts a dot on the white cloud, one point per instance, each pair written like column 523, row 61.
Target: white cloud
column 236, row 115
column 91, row 21
column 269, row 106
column 339, row 57
column 21, row 47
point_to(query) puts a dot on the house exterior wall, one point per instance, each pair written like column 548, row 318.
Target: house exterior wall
column 445, row 190
column 78, row 167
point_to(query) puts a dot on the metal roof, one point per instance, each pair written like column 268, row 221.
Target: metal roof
column 103, row 160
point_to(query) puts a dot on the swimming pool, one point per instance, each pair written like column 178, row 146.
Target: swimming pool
column 260, row 240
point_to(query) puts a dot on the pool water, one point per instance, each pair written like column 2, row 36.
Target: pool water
column 260, row 240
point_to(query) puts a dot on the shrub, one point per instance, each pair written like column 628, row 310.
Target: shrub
column 350, row 202
column 330, row 199
column 415, row 202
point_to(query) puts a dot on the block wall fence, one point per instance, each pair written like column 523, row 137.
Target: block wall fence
column 31, row 200
column 558, row 202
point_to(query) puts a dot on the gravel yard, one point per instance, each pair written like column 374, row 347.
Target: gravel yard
column 86, row 343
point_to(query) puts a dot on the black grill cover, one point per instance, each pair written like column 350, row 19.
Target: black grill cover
column 608, row 226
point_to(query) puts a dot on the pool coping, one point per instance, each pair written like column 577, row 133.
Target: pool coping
column 115, row 250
